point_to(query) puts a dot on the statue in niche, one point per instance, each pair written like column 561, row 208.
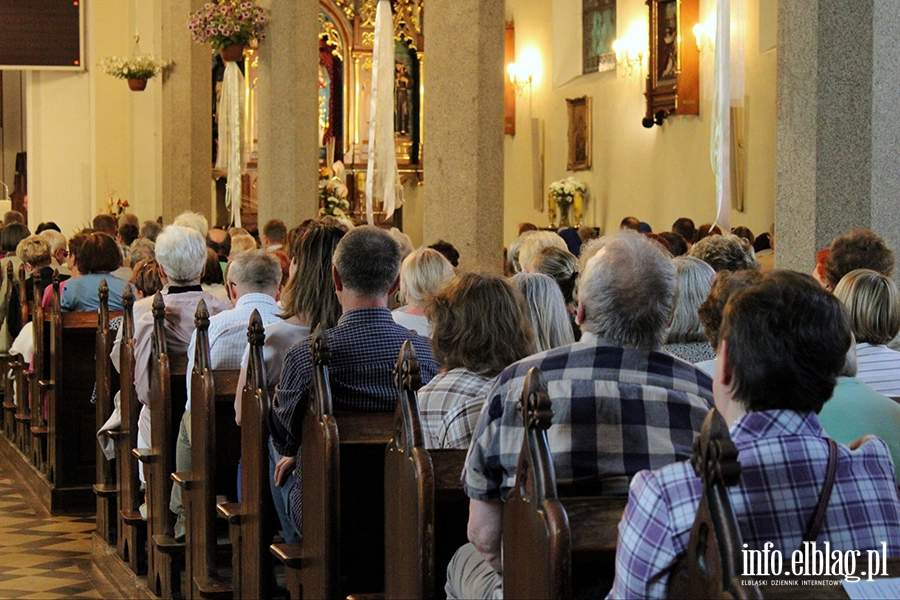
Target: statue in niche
column 402, row 85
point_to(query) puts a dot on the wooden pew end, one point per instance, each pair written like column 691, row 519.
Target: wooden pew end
column 210, row 587
column 167, row 544
column 144, row 455
column 106, row 490
column 290, row 555
column 185, row 480
column 230, row 511
column 132, row 517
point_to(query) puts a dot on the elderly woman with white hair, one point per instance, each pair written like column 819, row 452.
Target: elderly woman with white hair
column 422, row 273
column 547, row 310
column 686, row 338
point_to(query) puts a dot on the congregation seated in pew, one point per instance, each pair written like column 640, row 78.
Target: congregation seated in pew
column 480, row 327
column 98, row 257
column 254, row 283
column 620, row 404
column 308, row 301
column 782, row 344
column 363, row 345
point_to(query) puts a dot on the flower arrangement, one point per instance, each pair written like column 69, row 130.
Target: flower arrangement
column 115, row 205
column 138, row 66
column 564, row 190
column 333, row 193
column 228, row 22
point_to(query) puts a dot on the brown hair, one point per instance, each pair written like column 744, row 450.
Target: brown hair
column 723, row 287
column 145, row 277
column 479, row 322
column 99, row 254
column 857, row 249
column 309, row 293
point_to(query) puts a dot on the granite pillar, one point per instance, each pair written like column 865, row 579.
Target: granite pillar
column 187, row 115
column 463, row 141
column 288, row 105
column 837, row 161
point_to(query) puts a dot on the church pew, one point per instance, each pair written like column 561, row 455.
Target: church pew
column 167, row 389
column 710, row 569
column 37, row 377
column 343, row 508
column 107, row 383
column 131, row 528
column 424, row 500
column 24, row 304
column 18, row 386
column 249, row 528
column 9, row 404
column 546, row 532
column 201, row 485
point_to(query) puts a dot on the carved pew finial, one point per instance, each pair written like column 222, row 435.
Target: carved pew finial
column 256, row 332
column 201, row 315
column 407, row 375
column 159, row 306
column 102, row 291
column 535, row 404
column 715, row 456
column 321, row 355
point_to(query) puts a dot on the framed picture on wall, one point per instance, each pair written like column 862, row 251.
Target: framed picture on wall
column 579, row 134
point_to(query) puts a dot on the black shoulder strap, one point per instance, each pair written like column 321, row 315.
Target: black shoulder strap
column 818, row 517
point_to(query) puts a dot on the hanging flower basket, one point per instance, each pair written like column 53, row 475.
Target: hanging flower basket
column 137, row 85
column 232, row 53
column 137, row 69
column 228, row 23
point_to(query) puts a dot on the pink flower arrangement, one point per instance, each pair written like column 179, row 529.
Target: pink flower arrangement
column 228, row 22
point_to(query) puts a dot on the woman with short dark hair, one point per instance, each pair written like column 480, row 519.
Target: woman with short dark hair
column 97, row 257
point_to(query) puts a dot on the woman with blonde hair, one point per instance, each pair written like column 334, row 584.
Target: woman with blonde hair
column 480, row 327
column 873, row 302
column 422, row 274
column 241, row 242
column 546, row 310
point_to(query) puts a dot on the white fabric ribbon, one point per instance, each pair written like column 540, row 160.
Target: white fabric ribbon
column 231, row 108
column 720, row 142
column 381, row 174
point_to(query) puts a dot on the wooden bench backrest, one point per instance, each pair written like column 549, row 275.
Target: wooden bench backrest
column 41, row 350
column 208, row 388
column 24, row 300
column 71, row 421
column 408, row 492
column 320, row 459
column 535, row 525
column 710, row 567
column 251, row 577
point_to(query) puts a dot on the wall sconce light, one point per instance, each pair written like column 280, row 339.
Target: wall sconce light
column 627, row 58
column 520, row 77
column 705, row 35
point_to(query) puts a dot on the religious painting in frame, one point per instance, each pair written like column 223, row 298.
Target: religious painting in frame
column 579, row 134
column 598, row 23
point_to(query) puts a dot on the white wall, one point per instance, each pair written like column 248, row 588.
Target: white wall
column 656, row 174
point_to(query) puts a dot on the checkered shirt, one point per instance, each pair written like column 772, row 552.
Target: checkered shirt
column 364, row 346
column 228, row 334
column 784, row 456
column 616, row 411
column 449, row 407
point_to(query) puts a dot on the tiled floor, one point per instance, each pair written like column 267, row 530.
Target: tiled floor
column 42, row 556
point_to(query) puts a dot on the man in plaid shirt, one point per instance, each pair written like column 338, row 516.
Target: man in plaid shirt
column 781, row 346
column 620, row 404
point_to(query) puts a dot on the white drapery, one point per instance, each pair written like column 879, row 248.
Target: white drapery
column 229, row 156
column 381, row 174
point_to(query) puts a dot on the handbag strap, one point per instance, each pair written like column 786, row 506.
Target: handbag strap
column 818, row 517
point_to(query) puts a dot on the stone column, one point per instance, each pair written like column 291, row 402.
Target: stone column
column 838, row 164
column 288, row 109
column 463, row 146
column 187, row 115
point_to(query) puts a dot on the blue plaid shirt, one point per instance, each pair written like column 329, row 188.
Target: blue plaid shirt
column 784, row 455
column 364, row 347
column 616, row 411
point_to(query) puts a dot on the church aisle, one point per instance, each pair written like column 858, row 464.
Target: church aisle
column 42, row 556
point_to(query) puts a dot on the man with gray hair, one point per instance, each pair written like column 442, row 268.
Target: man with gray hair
column 364, row 346
column 254, row 283
column 620, row 404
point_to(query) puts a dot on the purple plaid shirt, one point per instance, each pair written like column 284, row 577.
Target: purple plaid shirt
column 783, row 455
column 616, row 411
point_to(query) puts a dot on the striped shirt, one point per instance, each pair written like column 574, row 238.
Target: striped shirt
column 879, row 368
column 616, row 411
column 783, row 455
column 449, row 406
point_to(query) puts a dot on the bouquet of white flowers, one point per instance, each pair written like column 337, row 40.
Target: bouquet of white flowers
column 563, row 191
column 333, row 193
